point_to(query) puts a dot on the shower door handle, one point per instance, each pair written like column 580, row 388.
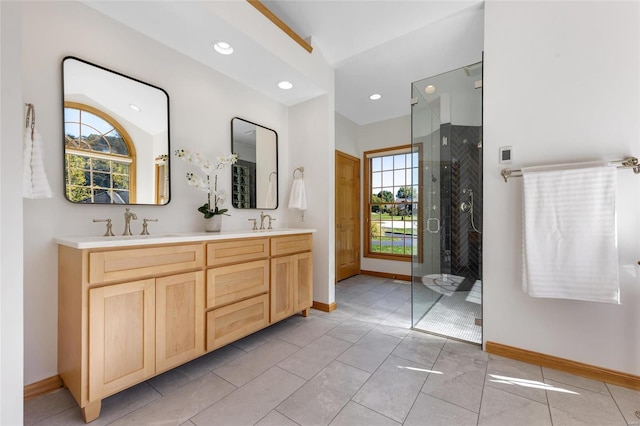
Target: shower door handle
column 429, row 227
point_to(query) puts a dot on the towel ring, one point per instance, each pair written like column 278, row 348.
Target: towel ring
column 272, row 173
column 299, row 169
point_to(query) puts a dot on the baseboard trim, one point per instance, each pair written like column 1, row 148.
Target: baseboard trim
column 324, row 307
column 387, row 275
column 42, row 387
column 573, row 367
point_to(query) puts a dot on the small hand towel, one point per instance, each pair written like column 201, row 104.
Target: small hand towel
column 298, row 199
column 270, row 201
column 34, row 183
column 569, row 233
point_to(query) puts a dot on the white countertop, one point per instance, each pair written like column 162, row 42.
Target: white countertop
column 140, row 240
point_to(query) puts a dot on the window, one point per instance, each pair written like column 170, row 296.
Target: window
column 99, row 166
column 392, row 203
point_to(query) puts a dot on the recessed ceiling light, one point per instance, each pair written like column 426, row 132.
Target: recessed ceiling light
column 135, row 107
column 375, row 96
column 430, row 89
column 285, row 85
column 223, row 47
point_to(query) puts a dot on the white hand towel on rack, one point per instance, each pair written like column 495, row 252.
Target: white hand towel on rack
column 270, row 201
column 34, row 183
column 298, row 198
column 569, row 233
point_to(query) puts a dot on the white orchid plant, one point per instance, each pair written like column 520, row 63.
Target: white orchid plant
column 203, row 183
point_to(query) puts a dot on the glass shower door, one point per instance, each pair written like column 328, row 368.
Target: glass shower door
column 446, row 124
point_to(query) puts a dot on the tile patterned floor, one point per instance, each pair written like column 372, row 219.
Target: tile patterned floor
column 358, row 365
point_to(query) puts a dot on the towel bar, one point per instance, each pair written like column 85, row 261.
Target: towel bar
column 626, row 163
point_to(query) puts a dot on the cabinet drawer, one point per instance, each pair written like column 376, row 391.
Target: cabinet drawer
column 232, row 322
column 224, row 253
column 292, row 244
column 229, row 284
column 144, row 262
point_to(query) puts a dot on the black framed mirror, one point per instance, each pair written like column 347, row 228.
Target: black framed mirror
column 116, row 137
column 254, row 178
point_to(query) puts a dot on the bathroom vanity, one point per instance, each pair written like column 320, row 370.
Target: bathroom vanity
column 130, row 308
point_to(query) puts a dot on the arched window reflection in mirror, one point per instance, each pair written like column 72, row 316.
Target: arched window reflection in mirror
column 116, row 137
column 99, row 157
column 255, row 175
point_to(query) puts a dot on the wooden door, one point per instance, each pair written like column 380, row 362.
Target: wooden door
column 281, row 298
column 303, row 278
column 180, row 319
column 121, row 336
column 347, row 216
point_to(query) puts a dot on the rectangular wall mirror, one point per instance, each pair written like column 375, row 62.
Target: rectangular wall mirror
column 255, row 176
column 116, row 137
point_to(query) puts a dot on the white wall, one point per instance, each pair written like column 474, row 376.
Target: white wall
column 347, row 136
column 202, row 104
column 384, row 134
column 312, row 135
column 561, row 84
column 11, row 294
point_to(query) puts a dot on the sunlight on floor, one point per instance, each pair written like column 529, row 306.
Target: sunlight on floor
column 528, row 384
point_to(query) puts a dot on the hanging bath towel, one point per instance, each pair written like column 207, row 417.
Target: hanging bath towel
column 34, row 183
column 271, row 199
column 298, row 199
column 569, row 233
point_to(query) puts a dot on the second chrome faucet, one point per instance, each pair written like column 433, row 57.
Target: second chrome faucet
column 127, row 221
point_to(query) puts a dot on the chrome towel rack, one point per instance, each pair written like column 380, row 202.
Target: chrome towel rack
column 626, row 163
column 299, row 169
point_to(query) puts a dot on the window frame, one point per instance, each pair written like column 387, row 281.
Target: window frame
column 130, row 160
column 367, row 160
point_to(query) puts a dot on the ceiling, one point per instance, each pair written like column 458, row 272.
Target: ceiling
column 374, row 46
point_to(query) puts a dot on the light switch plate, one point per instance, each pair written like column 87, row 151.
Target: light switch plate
column 506, row 153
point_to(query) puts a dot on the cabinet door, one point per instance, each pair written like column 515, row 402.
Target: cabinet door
column 121, row 336
column 303, row 278
column 180, row 319
column 281, row 288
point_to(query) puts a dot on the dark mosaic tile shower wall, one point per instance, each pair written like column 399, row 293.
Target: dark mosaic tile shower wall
column 461, row 168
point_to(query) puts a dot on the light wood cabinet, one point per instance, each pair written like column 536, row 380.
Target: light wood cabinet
column 179, row 319
column 126, row 314
column 291, row 276
column 122, row 337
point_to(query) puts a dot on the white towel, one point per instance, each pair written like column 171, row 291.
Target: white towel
column 298, row 199
column 34, row 183
column 270, row 201
column 569, row 233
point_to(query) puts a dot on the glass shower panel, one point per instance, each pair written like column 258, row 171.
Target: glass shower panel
column 446, row 124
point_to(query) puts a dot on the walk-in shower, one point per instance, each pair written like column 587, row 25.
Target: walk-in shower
column 447, row 271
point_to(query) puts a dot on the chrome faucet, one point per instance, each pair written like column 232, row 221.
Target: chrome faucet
column 127, row 221
column 262, row 216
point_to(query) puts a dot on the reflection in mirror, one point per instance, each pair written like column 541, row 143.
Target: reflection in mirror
column 116, row 137
column 255, row 175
